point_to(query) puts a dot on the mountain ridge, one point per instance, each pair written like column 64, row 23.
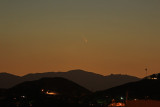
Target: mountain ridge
column 89, row 80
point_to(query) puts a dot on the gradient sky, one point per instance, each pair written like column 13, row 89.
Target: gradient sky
column 101, row 36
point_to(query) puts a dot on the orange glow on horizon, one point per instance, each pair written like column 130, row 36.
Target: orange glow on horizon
column 101, row 36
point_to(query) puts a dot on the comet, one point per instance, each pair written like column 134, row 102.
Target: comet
column 85, row 40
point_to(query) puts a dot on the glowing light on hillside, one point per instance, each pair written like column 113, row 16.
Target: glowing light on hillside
column 51, row 93
column 122, row 98
column 48, row 92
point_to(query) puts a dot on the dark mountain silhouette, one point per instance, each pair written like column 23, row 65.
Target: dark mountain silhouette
column 86, row 79
column 2, row 93
column 58, row 85
column 153, row 76
column 45, row 92
column 143, row 89
column 9, row 80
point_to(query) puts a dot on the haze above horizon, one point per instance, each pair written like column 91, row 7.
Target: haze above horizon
column 100, row 36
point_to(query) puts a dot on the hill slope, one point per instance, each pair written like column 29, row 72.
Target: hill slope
column 9, row 80
column 146, row 88
column 46, row 92
column 58, row 85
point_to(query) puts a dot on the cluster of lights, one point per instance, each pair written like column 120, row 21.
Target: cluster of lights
column 154, row 78
column 117, row 105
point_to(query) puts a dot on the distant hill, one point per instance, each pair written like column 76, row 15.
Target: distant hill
column 58, row 85
column 143, row 89
column 45, row 92
column 89, row 80
column 9, row 80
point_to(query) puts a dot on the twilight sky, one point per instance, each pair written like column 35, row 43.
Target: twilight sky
column 101, row 36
